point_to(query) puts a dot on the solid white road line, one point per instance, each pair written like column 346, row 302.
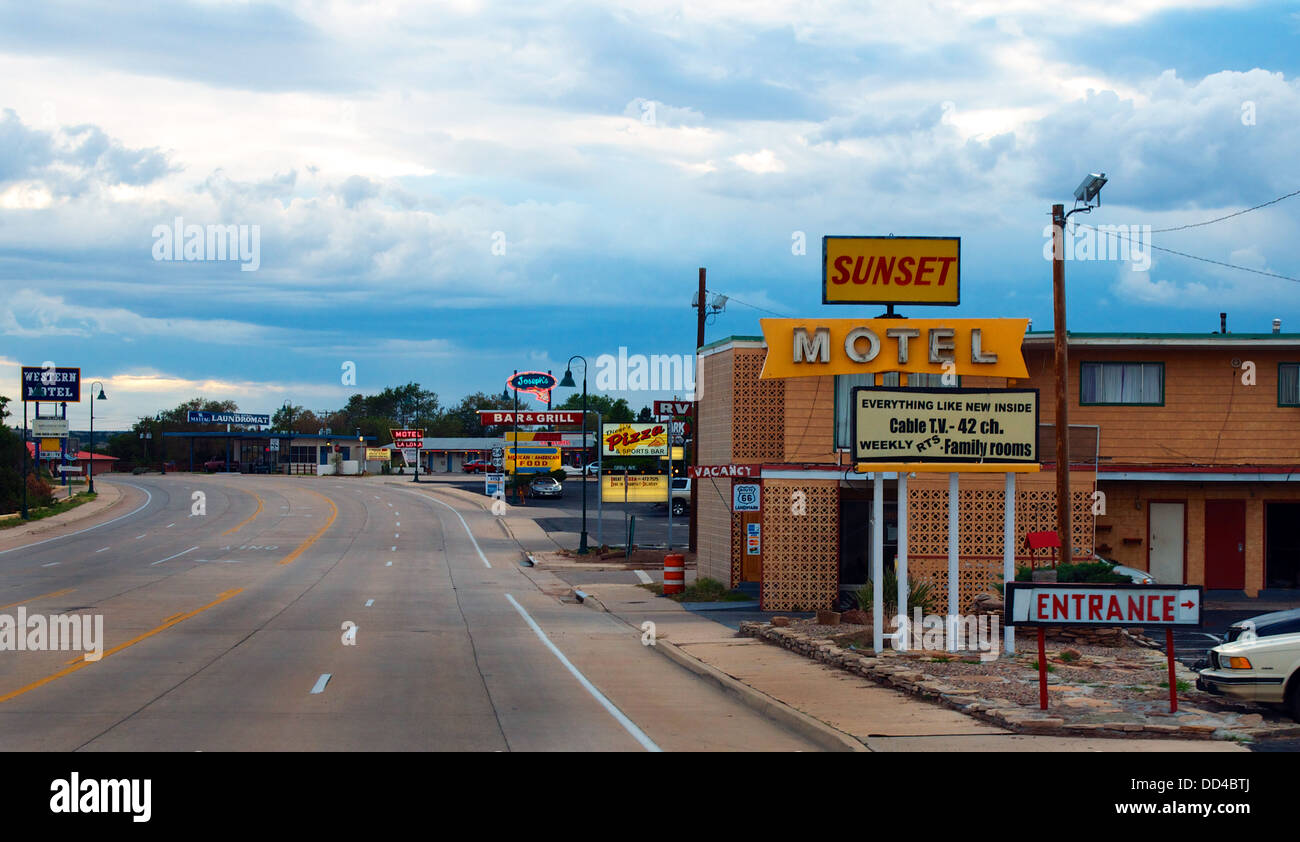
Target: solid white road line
column 170, row 557
column 472, row 539
column 138, row 537
column 321, row 682
column 628, row 725
column 170, row 525
column 147, row 501
column 52, row 564
column 645, row 580
column 101, row 549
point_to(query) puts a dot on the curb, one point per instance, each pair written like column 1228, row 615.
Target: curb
column 86, row 510
column 801, row 723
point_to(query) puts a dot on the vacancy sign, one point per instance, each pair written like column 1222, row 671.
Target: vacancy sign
column 1043, row 604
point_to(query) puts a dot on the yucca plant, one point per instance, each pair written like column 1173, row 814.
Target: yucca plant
column 920, row 594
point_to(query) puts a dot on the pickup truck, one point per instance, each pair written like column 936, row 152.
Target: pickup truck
column 681, row 494
column 219, row 464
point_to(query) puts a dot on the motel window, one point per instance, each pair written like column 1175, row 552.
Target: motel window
column 846, row 383
column 1288, row 384
column 1134, row 384
column 299, row 453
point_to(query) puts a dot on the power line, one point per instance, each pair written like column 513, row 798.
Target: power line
column 747, row 304
column 1120, row 236
column 1229, row 216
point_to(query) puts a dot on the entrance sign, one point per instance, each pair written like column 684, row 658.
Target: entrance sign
column 51, row 384
column 1043, row 604
column 698, row 471
column 640, row 488
column 494, row 417
column 900, row 424
column 811, row 347
column 634, row 440
column 891, row 270
column 747, row 497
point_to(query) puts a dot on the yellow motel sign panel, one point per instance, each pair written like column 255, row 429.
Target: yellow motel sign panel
column 813, row 347
column 891, row 270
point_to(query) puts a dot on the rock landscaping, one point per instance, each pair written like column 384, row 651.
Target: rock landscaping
column 1102, row 687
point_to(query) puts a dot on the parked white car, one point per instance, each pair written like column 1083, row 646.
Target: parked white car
column 1260, row 663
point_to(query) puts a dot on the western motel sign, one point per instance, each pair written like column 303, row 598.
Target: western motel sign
column 891, row 270
column 810, row 347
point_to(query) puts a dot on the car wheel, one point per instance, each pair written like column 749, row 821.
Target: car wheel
column 679, row 509
column 1293, row 696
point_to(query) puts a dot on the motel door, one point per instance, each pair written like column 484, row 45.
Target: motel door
column 1225, row 544
column 1167, row 546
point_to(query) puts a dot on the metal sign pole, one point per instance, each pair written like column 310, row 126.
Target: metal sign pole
column 877, row 562
column 900, row 570
column 600, row 478
column 1008, row 555
column 952, row 562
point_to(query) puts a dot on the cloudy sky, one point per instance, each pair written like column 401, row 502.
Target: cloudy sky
column 448, row 192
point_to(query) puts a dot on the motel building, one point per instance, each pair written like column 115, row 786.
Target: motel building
column 1192, row 440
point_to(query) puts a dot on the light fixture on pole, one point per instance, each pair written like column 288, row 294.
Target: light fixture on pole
column 100, row 397
column 568, row 383
column 1086, row 197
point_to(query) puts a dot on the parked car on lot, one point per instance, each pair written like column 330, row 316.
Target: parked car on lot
column 476, row 466
column 1261, row 661
column 1139, row 577
column 593, row 469
column 219, row 464
column 546, row 487
column 681, row 494
column 572, row 471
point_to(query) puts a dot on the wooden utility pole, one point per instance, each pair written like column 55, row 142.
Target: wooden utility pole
column 1062, row 386
column 695, row 416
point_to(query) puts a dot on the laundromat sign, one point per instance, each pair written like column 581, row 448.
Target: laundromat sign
column 811, row 347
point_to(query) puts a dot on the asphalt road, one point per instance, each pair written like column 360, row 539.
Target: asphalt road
column 224, row 630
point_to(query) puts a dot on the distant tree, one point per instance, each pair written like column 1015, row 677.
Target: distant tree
column 645, row 415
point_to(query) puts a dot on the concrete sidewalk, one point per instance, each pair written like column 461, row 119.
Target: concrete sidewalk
column 838, row 710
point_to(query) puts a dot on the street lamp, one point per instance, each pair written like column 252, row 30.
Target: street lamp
column 100, row 397
column 1088, row 192
column 568, row 383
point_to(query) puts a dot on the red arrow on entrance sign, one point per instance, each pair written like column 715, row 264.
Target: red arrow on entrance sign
column 1189, row 604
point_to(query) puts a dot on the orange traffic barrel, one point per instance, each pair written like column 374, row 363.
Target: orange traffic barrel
column 674, row 573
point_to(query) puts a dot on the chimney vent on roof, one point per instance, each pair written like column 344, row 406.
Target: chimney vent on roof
column 1223, row 323
column 1277, row 325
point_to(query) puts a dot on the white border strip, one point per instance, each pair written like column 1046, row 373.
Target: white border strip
column 148, row 500
column 170, row 557
column 628, row 725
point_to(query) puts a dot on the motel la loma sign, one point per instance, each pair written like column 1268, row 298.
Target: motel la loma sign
column 811, row 347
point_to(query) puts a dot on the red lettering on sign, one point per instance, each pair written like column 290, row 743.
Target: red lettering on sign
column 1094, row 606
column 1041, row 608
column 1168, row 604
column 841, row 275
column 1136, row 608
column 860, row 277
column 1151, row 606
column 884, row 268
column 921, row 269
column 904, row 276
column 946, row 261
column 1112, row 611
column 1060, row 606
column 1078, row 605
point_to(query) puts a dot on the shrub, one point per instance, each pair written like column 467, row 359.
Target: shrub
column 39, row 492
column 920, row 594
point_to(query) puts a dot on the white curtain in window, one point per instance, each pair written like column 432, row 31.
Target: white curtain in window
column 1288, row 389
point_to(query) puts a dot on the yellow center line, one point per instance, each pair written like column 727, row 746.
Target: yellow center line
column 42, row 596
column 173, row 616
column 250, row 518
column 334, row 513
column 82, row 663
